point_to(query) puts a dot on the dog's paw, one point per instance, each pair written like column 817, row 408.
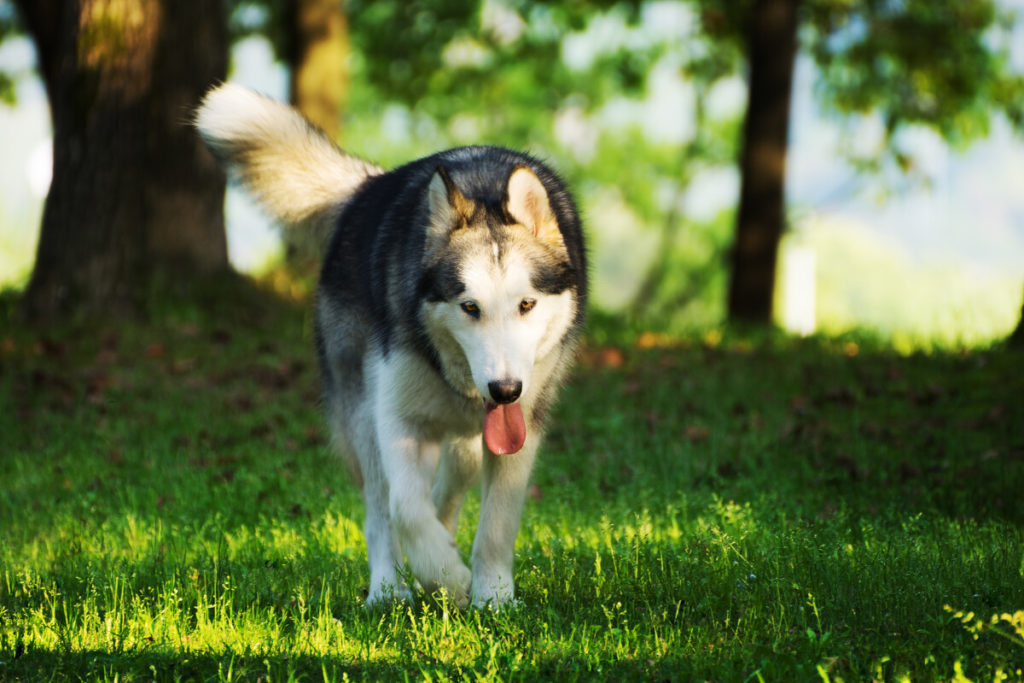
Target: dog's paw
column 438, row 567
column 493, row 591
column 454, row 586
column 387, row 595
column 495, row 607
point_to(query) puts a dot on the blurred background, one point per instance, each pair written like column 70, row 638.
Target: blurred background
column 824, row 165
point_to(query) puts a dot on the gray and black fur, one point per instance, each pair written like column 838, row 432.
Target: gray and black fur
column 400, row 337
column 374, row 278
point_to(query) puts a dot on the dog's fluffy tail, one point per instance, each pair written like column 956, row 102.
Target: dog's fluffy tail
column 290, row 166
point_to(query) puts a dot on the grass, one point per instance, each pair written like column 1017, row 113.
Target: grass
column 719, row 509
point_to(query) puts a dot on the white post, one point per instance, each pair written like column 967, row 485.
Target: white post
column 798, row 281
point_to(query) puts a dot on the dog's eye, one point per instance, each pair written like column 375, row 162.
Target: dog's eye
column 471, row 309
column 526, row 305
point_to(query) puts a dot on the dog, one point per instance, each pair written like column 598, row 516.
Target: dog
column 449, row 309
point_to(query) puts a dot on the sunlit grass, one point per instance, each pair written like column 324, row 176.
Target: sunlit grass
column 728, row 511
column 868, row 284
column 17, row 249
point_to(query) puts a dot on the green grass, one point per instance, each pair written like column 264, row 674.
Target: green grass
column 169, row 510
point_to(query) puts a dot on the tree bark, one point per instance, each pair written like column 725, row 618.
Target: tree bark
column 43, row 19
column 318, row 49
column 771, row 51
column 318, row 52
column 134, row 192
column 1016, row 339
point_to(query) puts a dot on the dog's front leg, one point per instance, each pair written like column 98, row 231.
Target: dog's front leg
column 505, row 478
column 459, row 470
column 429, row 548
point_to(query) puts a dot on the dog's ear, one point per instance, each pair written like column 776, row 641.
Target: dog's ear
column 448, row 210
column 447, row 203
column 529, row 205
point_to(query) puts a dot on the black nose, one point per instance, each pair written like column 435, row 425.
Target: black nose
column 505, row 390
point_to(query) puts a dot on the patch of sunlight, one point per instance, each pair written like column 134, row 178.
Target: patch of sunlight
column 18, row 249
column 619, row 249
column 639, row 529
column 865, row 282
column 279, row 541
column 337, row 535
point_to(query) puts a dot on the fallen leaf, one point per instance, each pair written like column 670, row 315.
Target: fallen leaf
column 221, row 336
column 697, row 433
column 651, row 340
column 180, row 367
column 611, row 357
column 909, row 470
column 799, row 404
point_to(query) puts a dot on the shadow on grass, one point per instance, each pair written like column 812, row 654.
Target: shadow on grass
column 171, row 666
column 176, row 666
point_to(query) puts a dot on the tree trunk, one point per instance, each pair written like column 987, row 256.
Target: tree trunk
column 317, row 54
column 318, row 51
column 771, row 51
column 43, row 20
column 134, row 191
column 1016, row 340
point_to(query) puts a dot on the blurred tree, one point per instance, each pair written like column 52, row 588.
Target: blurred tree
column 1016, row 339
column 318, row 58
column 11, row 24
column 498, row 60
column 770, row 39
column 442, row 58
column 134, row 192
column 943, row 65
column 312, row 38
column 502, row 70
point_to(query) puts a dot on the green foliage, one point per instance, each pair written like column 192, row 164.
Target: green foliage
column 944, row 65
column 402, row 43
column 1005, row 625
column 511, row 86
column 867, row 283
column 267, row 18
column 171, row 511
column 446, row 59
column 9, row 26
column 462, row 71
column 940, row 65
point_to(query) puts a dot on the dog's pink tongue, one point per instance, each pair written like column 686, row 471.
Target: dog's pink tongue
column 504, row 428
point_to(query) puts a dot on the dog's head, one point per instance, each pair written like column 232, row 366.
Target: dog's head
column 502, row 294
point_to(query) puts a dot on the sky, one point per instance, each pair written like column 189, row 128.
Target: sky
column 971, row 212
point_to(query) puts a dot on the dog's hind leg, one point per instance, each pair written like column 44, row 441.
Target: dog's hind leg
column 459, row 469
column 382, row 547
column 356, row 441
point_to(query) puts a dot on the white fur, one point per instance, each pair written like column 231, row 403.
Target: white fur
column 431, row 448
column 414, row 438
column 291, row 167
column 501, row 343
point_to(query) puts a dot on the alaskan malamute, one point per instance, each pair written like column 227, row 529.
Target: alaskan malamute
column 449, row 308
